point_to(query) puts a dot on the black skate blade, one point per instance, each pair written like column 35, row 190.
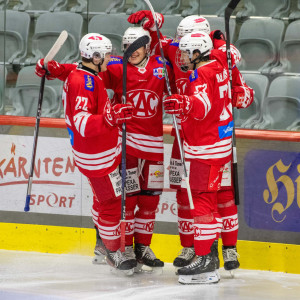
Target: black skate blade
column 143, row 269
column 122, row 273
column 204, row 278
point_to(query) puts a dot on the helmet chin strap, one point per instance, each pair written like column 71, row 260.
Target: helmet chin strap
column 142, row 63
column 99, row 64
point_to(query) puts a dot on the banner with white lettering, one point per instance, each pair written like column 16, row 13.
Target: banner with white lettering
column 58, row 187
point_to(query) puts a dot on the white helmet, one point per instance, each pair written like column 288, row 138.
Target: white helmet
column 133, row 33
column 94, row 44
column 197, row 40
column 192, row 23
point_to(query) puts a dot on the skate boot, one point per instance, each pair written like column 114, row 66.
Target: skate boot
column 146, row 257
column 230, row 257
column 129, row 252
column 120, row 262
column 185, row 257
column 201, row 271
column 215, row 253
column 99, row 251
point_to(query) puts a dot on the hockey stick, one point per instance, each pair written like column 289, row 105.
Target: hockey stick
column 228, row 12
column 50, row 55
column 140, row 42
column 186, row 178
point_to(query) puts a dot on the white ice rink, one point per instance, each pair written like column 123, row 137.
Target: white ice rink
column 38, row 276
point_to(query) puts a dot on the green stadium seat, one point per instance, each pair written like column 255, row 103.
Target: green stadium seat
column 26, row 94
column 165, row 7
column 112, row 26
column 259, row 42
column 247, row 117
column 47, row 29
column 281, row 107
column 15, row 35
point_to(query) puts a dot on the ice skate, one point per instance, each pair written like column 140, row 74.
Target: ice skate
column 118, row 261
column 201, row 271
column 230, row 257
column 129, row 252
column 146, row 259
column 100, row 253
column 185, row 257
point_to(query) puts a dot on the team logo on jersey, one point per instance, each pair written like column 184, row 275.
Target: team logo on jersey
column 89, row 83
column 159, row 73
column 160, row 61
column 175, row 43
column 226, row 130
column 145, row 103
column 115, row 61
column 193, row 76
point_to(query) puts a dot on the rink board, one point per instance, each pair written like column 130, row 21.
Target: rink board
column 68, row 240
column 60, row 220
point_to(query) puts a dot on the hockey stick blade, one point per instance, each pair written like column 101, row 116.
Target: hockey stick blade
column 140, row 42
column 50, row 55
column 56, row 46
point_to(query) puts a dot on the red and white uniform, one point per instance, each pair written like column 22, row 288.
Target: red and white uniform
column 84, row 99
column 226, row 204
column 96, row 148
column 145, row 90
column 144, row 145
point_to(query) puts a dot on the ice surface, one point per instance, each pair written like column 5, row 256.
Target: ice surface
column 39, row 276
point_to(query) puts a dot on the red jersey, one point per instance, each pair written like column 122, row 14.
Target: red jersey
column 145, row 90
column 96, row 146
column 207, row 129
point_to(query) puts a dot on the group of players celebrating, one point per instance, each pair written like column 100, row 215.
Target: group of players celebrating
column 198, row 76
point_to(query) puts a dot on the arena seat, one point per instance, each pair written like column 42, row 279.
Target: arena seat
column 267, row 8
column 112, row 26
column 289, row 51
column 259, row 42
column 47, row 29
column 166, row 7
column 93, row 7
column 169, row 27
column 219, row 23
column 26, row 94
column 38, row 7
column 247, row 117
column 281, row 107
column 15, row 35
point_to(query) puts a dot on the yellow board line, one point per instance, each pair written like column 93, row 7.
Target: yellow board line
column 71, row 240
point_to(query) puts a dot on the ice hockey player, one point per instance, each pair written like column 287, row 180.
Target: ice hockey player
column 95, row 136
column 207, row 124
column 144, row 153
column 242, row 97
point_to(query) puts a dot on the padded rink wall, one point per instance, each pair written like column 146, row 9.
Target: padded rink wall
column 59, row 220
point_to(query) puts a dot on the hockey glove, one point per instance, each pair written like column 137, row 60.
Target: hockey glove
column 217, row 35
column 54, row 69
column 242, row 96
column 118, row 114
column 177, row 104
column 145, row 17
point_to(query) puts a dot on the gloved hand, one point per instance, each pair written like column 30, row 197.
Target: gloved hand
column 177, row 104
column 118, row 114
column 54, row 69
column 217, row 34
column 145, row 17
column 242, row 96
